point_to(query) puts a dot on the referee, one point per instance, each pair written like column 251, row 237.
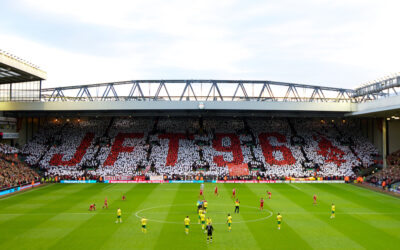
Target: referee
column 237, row 204
column 209, row 230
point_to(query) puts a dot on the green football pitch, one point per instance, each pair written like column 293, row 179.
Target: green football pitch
column 56, row 216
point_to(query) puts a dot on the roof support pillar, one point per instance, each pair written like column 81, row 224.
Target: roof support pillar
column 384, row 141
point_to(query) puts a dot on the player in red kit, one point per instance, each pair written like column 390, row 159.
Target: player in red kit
column 201, row 192
column 269, row 194
column 262, row 204
column 234, row 193
column 123, row 197
column 315, row 199
column 92, row 207
column 216, row 191
column 105, row 203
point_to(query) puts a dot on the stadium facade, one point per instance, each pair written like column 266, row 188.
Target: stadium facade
column 26, row 106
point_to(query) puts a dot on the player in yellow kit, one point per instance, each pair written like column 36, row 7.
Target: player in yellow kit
column 279, row 220
column 203, row 220
column 333, row 209
column 229, row 221
column 209, row 221
column 205, row 205
column 144, row 224
column 200, row 213
column 119, row 213
column 187, row 224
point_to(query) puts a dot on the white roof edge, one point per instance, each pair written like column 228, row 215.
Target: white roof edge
column 21, row 65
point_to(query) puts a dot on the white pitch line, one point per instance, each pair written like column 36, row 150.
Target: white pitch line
column 19, row 193
column 218, row 223
column 51, row 213
column 108, row 213
column 171, row 189
column 111, row 185
column 377, row 192
column 350, row 213
column 296, row 187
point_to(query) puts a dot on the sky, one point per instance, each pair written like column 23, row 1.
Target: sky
column 319, row 42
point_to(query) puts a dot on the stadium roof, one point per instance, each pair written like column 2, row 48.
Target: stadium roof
column 15, row 70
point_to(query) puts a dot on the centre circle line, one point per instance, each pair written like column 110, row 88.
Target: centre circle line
column 184, row 205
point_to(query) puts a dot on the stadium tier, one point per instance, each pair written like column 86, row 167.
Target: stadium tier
column 14, row 172
column 186, row 147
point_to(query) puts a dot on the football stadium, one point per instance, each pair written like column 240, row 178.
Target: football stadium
column 197, row 163
column 121, row 165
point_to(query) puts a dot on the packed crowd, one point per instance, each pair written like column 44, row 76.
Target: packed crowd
column 394, row 158
column 271, row 148
column 390, row 174
column 13, row 172
column 6, row 149
column 327, row 145
column 386, row 176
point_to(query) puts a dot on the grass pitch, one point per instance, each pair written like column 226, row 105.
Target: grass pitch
column 56, row 216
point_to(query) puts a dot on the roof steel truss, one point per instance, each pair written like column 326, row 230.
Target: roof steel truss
column 200, row 90
column 381, row 88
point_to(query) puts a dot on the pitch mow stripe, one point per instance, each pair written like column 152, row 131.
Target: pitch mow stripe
column 166, row 229
column 28, row 191
column 251, row 234
column 18, row 232
column 281, row 235
column 281, row 200
column 370, row 194
column 76, row 236
column 376, row 192
column 134, row 212
column 391, row 218
column 131, row 224
column 358, row 201
column 295, row 186
column 355, row 233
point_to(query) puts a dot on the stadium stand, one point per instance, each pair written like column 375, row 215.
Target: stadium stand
column 14, row 172
column 177, row 147
column 6, row 149
column 388, row 177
